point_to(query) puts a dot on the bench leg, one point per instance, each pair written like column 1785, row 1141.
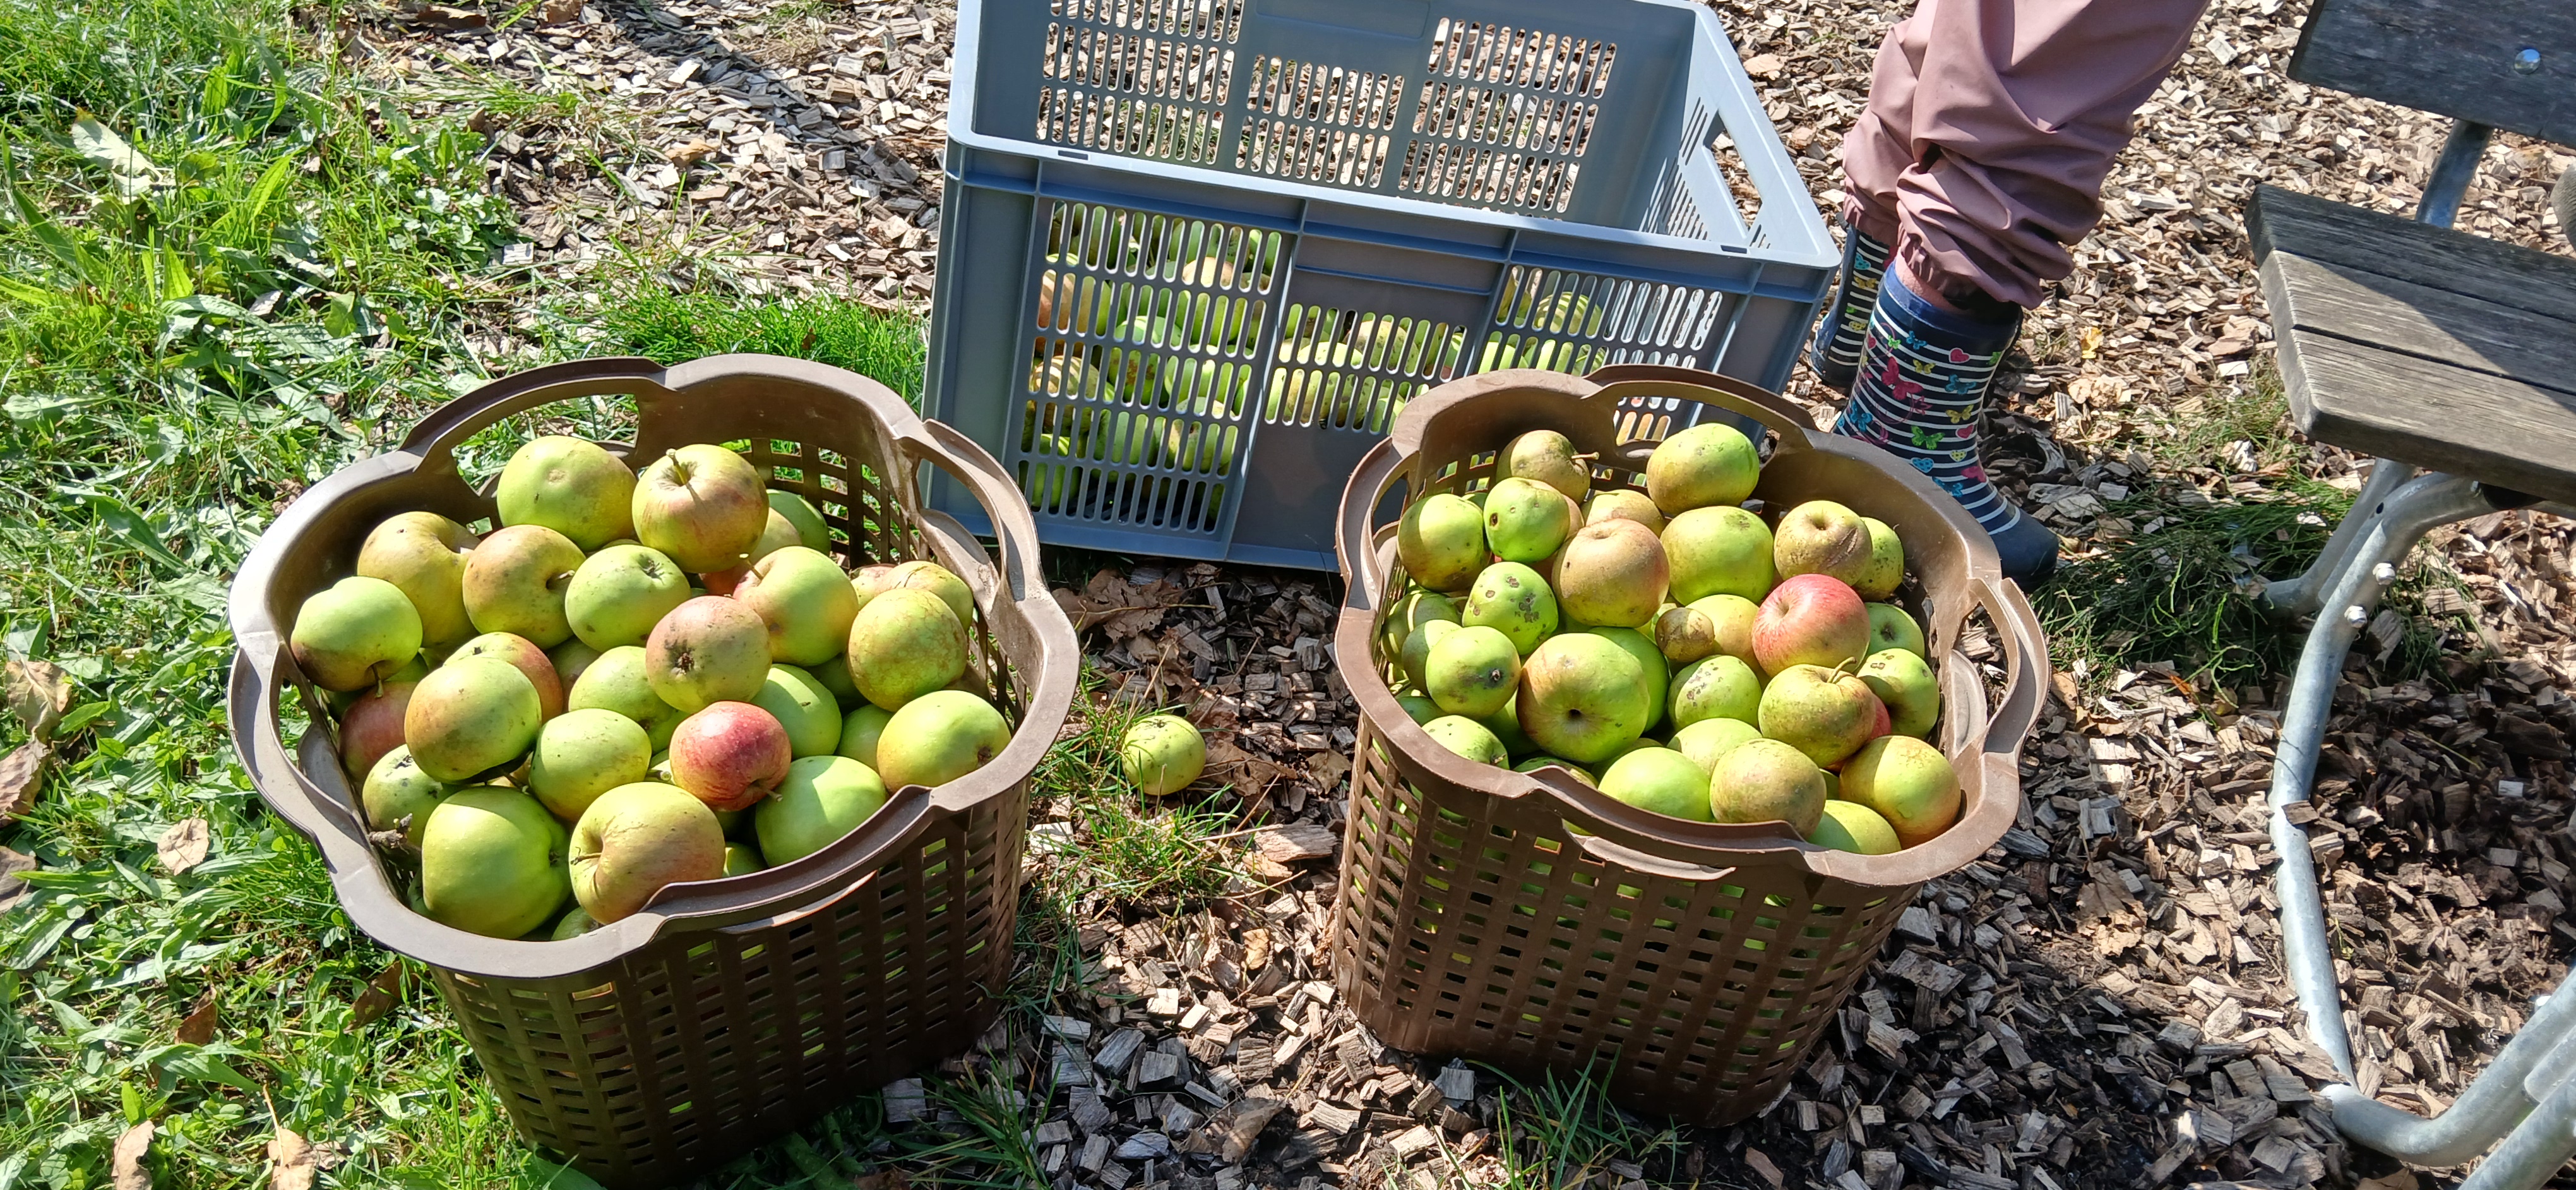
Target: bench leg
column 2297, row 598
column 2496, row 1101
column 2391, row 528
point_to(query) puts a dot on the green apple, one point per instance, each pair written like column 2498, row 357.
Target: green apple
column 1850, row 826
column 620, row 593
column 635, row 840
column 515, row 582
column 1512, row 598
column 1908, row 782
column 939, row 581
column 1733, row 616
column 1767, row 781
column 1709, row 739
column 1420, row 708
column 743, row 859
column 573, row 487
column 1822, row 537
column 1903, row 681
column 835, row 677
column 1472, row 671
column 702, row 506
column 423, row 554
column 398, row 794
column 492, row 862
column 1583, row 697
column 811, row 531
column 903, row 644
column 1525, row 521
column 1715, row 687
column 939, row 737
column 1547, row 457
column 524, row 656
column 1612, row 574
column 1162, row 754
column 802, row 706
column 822, row 800
column 1722, row 550
column 1704, row 466
column 571, row 659
column 1886, row 569
column 1416, row 656
column 1661, row 780
column 1891, row 628
column 860, row 731
column 1627, row 504
column 583, row 754
column 1684, row 635
column 470, row 717
column 616, row 682
column 1468, row 738
column 1825, row 713
column 1650, row 660
column 1441, row 540
column 806, row 602
column 354, row 632
column 707, row 650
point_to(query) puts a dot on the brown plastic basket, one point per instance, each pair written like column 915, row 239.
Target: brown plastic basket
column 1690, row 964
column 656, row 1048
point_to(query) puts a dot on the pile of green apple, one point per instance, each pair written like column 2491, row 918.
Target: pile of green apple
column 1537, row 629
column 639, row 680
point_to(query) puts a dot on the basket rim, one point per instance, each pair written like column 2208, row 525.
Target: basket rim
column 1991, row 738
column 262, row 661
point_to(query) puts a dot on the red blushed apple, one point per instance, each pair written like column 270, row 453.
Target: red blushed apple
column 373, row 726
column 730, row 755
column 722, row 582
column 1811, row 619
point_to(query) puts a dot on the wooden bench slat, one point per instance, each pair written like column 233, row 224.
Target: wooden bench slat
column 2493, row 428
column 2436, row 257
column 2445, row 328
column 2452, row 57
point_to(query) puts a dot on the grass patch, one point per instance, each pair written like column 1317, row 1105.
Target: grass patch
column 1563, row 1132
column 668, row 327
column 1126, row 846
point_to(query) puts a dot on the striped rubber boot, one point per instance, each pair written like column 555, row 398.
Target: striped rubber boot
column 1835, row 353
column 1922, row 382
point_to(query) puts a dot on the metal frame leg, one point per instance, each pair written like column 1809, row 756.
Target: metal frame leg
column 2299, row 597
column 2495, row 1101
column 2391, row 528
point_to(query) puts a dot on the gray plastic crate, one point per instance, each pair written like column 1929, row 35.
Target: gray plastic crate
column 1195, row 254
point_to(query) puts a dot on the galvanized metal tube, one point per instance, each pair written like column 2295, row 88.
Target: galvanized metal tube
column 2539, row 1147
column 2494, row 1102
column 2392, row 530
column 2452, row 173
column 2296, row 597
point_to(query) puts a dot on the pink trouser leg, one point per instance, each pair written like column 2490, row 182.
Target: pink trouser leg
column 1990, row 128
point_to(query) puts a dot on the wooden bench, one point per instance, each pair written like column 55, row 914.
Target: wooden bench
column 2452, row 359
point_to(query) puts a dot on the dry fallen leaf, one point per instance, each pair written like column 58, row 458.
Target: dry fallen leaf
column 884, row 1179
column 12, row 889
column 441, row 16
column 127, row 1167
column 690, row 154
column 39, row 692
column 561, row 12
column 383, row 992
column 1256, row 949
column 1763, row 66
column 22, row 777
column 199, row 1027
column 294, row 1161
column 184, row 846
column 1118, row 608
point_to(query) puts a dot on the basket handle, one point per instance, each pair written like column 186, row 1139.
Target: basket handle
column 1014, row 530
column 253, row 710
column 2025, row 664
column 435, row 439
column 1724, row 392
column 1353, row 539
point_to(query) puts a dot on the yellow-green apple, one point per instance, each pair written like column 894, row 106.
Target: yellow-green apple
column 1709, row 739
column 806, row 602
column 1612, row 574
column 1420, row 708
column 492, row 862
column 574, row 923
column 1547, row 457
column 1908, row 782
column 616, row 682
column 1512, row 599
column 939, row 737
column 1715, row 687
column 802, row 706
column 1890, row 627
column 1472, row 671
column 1766, row 780
column 1650, row 660
column 571, row 658
column 1684, row 635
column 1821, row 537
column 701, row 505
column 1850, row 826
column 730, row 755
column 523, row 655
column 903, row 644
column 635, row 840
column 860, row 731
column 1734, row 617
column 923, row 575
column 807, row 520
column 1164, row 753
column 353, row 633
column 583, row 754
column 1624, row 504
column 620, row 593
column 1701, row 467
column 743, row 859
column 1441, row 540
column 1904, row 682
column 1525, row 520
column 1417, row 608
column 471, row 717
column 868, row 581
column 1468, row 738
column 708, row 650
column 1825, row 713
column 571, row 486
column 1660, row 780
column 1535, row 763
column 515, row 581
column 398, row 795
column 1506, row 726
column 1811, row 619
column 723, row 582
column 423, row 554
column 823, row 799
column 1416, row 655
column 1582, row 697
column 835, row 677
column 1886, row 569
column 777, row 533
column 373, row 726
column 1718, row 550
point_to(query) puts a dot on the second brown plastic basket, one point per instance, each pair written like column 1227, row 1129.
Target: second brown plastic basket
column 1691, row 965
column 658, row 1047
